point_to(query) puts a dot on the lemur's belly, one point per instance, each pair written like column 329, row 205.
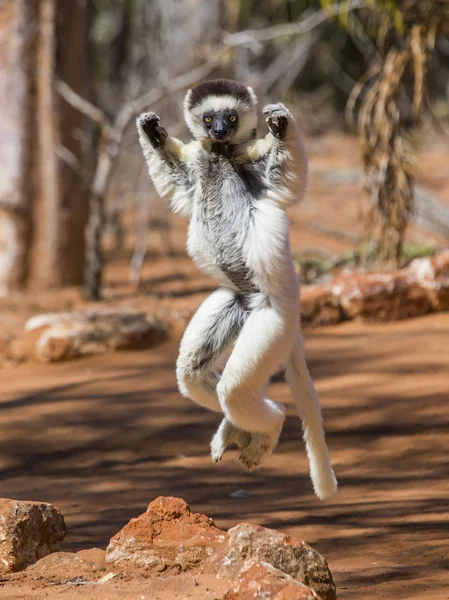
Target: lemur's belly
column 216, row 245
column 220, row 221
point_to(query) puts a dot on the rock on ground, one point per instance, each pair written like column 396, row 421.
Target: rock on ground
column 420, row 288
column 167, row 545
column 54, row 337
column 285, row 553
column 261, row 580
column 62, row 568
column 432, row 274
column 380, row 296
column 28, row 531
column 167, row 538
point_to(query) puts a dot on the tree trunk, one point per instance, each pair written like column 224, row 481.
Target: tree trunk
column 60, row 203
column 45, row 148
column 17, row 35
column 75, row 134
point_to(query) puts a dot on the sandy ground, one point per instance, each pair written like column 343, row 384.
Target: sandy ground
column 102, row 437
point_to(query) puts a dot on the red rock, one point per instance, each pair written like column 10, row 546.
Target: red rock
column 167, row 537
column 319, row 306
column 432, row 274
column 55, row 337
column 23, row 347
column 380, row 296
column 28, row 531
column 289, row 555
column 261, row 580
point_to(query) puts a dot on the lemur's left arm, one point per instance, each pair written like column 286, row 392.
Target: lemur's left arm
column 281, row 157
column 168, row 160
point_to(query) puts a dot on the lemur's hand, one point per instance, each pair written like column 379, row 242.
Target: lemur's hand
column 149, row 123
column 277, row 117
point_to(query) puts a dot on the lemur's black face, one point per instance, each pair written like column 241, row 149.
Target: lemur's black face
column 222, row 124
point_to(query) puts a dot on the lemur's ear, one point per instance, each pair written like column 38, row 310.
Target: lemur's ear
column 252, row 93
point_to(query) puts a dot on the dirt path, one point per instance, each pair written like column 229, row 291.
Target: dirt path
column 102, row 437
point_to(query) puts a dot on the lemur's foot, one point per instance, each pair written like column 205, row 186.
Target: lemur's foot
column 261, row 445
column 149, row 123
column 253, row 446
column 277, row 116
column 228, row 434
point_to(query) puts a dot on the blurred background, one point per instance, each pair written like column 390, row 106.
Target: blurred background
column 367, row 81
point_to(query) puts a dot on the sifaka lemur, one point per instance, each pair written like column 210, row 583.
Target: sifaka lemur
column 235, row 188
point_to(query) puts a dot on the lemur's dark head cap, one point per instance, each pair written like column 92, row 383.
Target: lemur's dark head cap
column 219, row 87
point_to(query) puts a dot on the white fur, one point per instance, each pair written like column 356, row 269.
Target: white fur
column 308, row 405
column 180, row 202
column 264, row 333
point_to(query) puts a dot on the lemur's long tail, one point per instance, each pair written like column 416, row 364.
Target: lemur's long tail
column 308, row 405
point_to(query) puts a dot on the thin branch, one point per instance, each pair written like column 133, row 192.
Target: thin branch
column 84, row 106
column 134, row 107
column 69, row 158
column 287, row 64
column 306, row 25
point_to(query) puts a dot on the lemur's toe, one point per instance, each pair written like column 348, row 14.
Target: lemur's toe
column 275, row 110
column 261, row 445
column 147, row 117
column 149, row 123
column 217, row 456
column 251, row 463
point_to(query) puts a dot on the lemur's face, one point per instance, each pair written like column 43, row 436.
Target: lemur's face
column 221, row 125
column 222, row 110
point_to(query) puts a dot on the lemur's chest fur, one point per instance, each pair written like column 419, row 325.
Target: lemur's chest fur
column 225, row 200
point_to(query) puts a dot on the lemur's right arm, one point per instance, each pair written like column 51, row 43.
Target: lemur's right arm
column 167, row 159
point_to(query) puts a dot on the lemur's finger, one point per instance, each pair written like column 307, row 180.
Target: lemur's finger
column 272, row 109
column 149, row 116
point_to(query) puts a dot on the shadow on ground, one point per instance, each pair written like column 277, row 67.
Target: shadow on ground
column 102, row 437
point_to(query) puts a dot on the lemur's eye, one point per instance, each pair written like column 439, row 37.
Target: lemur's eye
column 207, row 120
column 233, row 118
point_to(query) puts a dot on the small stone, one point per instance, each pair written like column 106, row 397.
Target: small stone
column 432, row 274
column 28, row 531
column 319, row 306
column 167, row 538
column 287, row 554
column 67, row 568
column 54, row 337
column 262, row 580
column 240, row 494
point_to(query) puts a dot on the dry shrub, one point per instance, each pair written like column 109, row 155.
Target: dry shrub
column 389, row 180
column 405, row 32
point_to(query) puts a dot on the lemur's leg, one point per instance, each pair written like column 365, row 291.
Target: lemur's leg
column 264, row 343
column 308, row 405
column 167, row 160
column 210, row 332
